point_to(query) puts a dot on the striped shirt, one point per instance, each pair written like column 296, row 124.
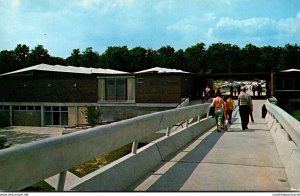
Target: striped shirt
column 244, row 99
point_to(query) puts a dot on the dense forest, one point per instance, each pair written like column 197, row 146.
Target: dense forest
column 216, row 58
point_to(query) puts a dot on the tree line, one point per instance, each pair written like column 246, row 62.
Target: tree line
column 216, row 58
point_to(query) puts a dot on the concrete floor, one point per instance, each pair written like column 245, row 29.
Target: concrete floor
column 17, row 135
column 235, row 160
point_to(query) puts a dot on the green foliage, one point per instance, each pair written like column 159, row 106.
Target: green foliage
column 296, row 114
column 93, row 114
column 3, row 141
column 217, row 58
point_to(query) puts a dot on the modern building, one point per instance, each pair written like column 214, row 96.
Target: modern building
column 55, row 95
column 286, row 85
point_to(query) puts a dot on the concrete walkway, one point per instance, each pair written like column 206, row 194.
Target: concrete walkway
column 235, row 160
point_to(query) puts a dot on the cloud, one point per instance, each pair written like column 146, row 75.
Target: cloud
column 251, row 23
column 290, row 26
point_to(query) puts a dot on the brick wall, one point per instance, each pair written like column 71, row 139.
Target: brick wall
column 158, row 89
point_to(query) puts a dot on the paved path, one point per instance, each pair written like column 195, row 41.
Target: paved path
column 228, row 161
column 17, row 135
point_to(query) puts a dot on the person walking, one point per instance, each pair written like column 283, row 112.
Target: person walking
column 230, row 107
column 219, row 107
column 244, row 103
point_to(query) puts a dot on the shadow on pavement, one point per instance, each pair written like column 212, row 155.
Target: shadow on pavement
column 179, row 173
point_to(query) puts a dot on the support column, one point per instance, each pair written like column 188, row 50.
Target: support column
column 42, row 116
column 10, row 115
column 76, row 115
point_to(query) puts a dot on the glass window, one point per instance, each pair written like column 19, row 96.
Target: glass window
column 48, row 118
column 289, row 84
column 55, row 108
column 64, row 108
column 16, row 108
column 22, row 107
column 121, row 88
column 6, row 107
column 116, row 89
column 64, row 118
column 110, row 89
column 30, row 107
column 38, row 108
column 56, row 115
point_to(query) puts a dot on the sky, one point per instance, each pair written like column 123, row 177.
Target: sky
column 63, row 25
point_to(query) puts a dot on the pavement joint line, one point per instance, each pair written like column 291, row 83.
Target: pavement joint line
column 246, row 165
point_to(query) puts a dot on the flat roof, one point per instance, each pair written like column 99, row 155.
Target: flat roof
column 160, row 70
column 66, row 69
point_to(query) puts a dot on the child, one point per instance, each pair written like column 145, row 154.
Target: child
column 230, row 107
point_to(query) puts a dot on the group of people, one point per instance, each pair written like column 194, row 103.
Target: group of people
column 223, row 109
column 257, row 88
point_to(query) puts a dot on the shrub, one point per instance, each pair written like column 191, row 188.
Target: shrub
column 3, row 141
column 93, row 114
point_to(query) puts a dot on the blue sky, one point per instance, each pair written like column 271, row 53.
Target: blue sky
column 64, row 25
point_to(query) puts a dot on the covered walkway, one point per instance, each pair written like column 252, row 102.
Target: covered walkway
column 235, row 160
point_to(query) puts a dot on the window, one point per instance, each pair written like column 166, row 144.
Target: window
column 56, row 115
column 4, row 108
column 116, row 88
column 140, row 80
column 25, row 108
column 287, row 84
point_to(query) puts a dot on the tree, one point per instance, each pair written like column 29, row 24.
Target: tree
column 8, row 61
column 289, row 57
column 195, row 56
column 21, row 54
column 181, row 60
column 137, row 59
column 89, row 58
column 38, row 55
column 116, row 57
column 251, row 56
column 75, row 59
column 269, row 58
column 164, row 57
column 220, row 58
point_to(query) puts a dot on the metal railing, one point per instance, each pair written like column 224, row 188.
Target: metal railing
column 27, row 164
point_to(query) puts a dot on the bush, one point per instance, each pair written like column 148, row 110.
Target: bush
column 3, row 141
column 93, row 114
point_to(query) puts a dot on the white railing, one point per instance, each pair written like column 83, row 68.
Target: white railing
column 27, row 164
column 287, row 122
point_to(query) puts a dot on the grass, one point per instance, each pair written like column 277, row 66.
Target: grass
column 100, row 161
column 39, row 187
column 296, row 114
column 86, row 168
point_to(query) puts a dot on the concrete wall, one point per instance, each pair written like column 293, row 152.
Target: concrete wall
column 119, row 175
column 27, row 164
column 288, row 149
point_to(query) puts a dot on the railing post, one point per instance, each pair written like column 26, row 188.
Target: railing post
column 187, row 123
column 61, row 181
column 198, row 118
column 134, row 147
column 168, row 132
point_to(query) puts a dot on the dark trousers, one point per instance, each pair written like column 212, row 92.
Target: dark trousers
column 229, row 115
column 251, row 116
column 244, row 113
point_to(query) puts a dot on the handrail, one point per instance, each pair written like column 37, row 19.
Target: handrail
column 24, row 165
column 288, row 122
